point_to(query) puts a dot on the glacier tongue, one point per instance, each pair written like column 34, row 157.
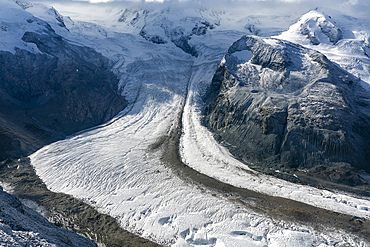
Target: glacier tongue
column 113, row 168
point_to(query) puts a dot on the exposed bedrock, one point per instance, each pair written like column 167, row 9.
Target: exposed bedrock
column 49, row 95
column 284, row 107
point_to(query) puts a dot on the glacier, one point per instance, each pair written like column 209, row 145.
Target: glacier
column 119, row 168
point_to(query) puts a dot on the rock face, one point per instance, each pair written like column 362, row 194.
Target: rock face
column 284, row 107
column 49, row 95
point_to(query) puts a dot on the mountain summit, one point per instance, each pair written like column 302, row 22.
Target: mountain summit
column 288, row 107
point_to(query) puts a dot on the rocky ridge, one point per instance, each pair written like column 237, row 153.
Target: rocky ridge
column 285, row 108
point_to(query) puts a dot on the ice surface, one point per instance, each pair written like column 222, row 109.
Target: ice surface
column 111, row 166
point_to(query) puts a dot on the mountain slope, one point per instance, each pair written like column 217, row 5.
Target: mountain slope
column 52, row 91
column 286, row 107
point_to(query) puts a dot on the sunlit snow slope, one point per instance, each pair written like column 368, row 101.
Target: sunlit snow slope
column 113, row 168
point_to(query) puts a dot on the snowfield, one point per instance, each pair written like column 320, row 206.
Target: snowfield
column 112, row 167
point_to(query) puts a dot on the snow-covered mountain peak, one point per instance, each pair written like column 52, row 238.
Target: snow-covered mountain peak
column 283, row 66
column 48, row 14
column 317, row 28
column 132, row 16
column 171, row 24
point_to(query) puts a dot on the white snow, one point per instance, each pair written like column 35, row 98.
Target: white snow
column 112, row 168
column 7, row 187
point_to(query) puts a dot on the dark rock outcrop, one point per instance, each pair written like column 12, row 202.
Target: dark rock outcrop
column 49, row 95
column 22, row 226
column 289, row 108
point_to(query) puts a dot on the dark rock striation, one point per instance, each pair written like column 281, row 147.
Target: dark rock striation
column 283, row 107
column 48, row 95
